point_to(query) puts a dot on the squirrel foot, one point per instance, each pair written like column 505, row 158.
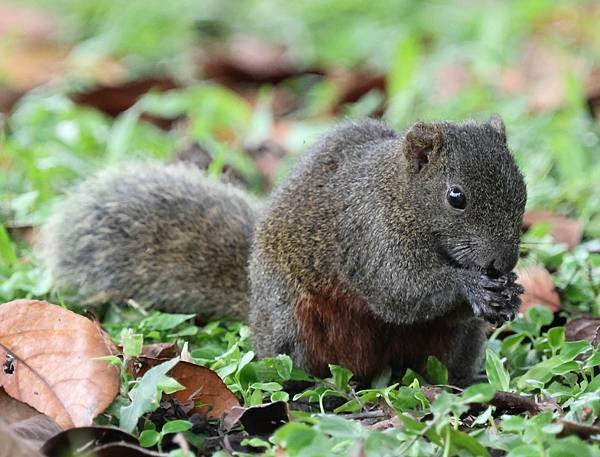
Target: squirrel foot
column 495, row 300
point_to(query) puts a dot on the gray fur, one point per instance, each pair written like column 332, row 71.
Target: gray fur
column 359, row 209
column 164, row 235
column 366, row 206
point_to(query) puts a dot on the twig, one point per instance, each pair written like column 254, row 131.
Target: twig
column 366, row 415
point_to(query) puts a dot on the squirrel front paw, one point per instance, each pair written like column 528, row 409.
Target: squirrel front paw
column 495, row 300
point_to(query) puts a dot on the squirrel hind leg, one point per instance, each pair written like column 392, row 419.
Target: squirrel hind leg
column 270, row 315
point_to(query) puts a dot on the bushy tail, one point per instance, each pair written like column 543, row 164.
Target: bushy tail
column 163, row 235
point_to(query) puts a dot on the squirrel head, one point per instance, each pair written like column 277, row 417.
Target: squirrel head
column 467, row 191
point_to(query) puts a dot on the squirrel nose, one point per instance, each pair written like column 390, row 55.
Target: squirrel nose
column 500, row 265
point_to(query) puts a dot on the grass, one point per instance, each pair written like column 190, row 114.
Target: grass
column 49, row 143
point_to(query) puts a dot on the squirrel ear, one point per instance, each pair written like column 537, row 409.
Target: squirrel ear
column 420, row 142
column 497, row 124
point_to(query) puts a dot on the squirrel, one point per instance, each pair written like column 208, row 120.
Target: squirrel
column 380, row 249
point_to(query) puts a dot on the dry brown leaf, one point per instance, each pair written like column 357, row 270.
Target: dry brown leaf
column 13, row 446
column 352, row 85
column 260, row 419
column 49, row 361
column 562, row 229
column 197, row 155
column 202, row 386
column 386, row 424
column 267, row 155
column 584, row 328
column 73, row 441
column 592, row 92
column 583, row 431
column 26, row 22
column 121, row 450
column 25, row 422
column 539, row 289
column 26, row 65
column 28, row 57
column 249, row 59
column 114, row 99
column 539, row 76
column 27, row 233
column 161, row 350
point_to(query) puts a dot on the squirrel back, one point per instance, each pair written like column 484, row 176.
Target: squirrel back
column 164, row 235
column 381, row 249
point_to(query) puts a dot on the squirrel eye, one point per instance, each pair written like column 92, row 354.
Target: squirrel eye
column 456, row 197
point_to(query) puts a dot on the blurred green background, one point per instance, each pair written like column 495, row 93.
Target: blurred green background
column 242, row 88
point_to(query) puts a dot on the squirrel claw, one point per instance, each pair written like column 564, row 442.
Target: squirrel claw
column 496, row 300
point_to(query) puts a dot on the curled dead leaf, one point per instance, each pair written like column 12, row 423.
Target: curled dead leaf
column 584, row 328
column 539, row 289
column 49, row 359
column 121, row 450
column 352, row 85
column 13, row 446
column 27, row 233
column 25, row 422
column 116, row 98
column 161, row 350
column 562, row 229
column 248, row 59
column 203, row 387
column 505, row 402
column 539, row 75
column 72, row 441
column 583, row 431
column 258, row 420
column 592, row 92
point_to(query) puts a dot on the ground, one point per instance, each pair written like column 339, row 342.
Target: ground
column 243, row 90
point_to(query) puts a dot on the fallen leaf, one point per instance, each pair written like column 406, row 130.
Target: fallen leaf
column 249, row 59
column 583, row 431
column 352, row 85
column 28, row 57
column 514, row 404
column 539, row 289
column 27, row 233
column 196, row 155
column 8, row 98
column 25, row 422
column 267, row 155
column 25, row 66
column 120, row 450
column 26, row 22
column 71, row 441
column 584, row 328
column 258, row 420
column 161, row 350
column 13, row 446
column 505, row 402
column 203, row 387
column 592, row 92
column 385, row 424
column 114, row 99
column 49, row 361
column 562, row 229
column 539, row 75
